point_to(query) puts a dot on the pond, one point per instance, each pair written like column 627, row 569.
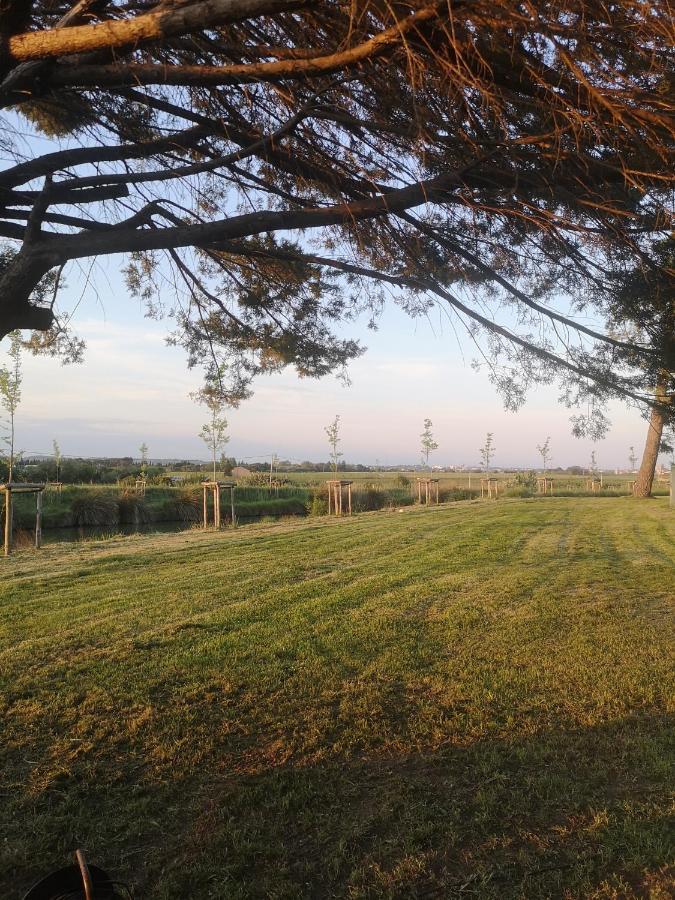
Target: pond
column 101, row 532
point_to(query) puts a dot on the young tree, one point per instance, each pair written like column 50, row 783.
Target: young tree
column 414, row 163
column 214, row 432
column 428, row 442
column 593, row 468
column 143, row 450
column 487, row 451
column 545, row 453
column 334, row 440
column 57, row 459
column 10, row 397
column 632, row 459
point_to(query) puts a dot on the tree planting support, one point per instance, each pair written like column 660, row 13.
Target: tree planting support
column 489, row 487
column 544, row 485
column 430, row 486
column 335, row 497
column 215, row 488
column 11, row 488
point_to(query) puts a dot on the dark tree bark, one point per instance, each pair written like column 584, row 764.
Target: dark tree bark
column 657, row 420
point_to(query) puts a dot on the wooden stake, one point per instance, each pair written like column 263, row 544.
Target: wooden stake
column 38, row 520
column 349, row 491
column 205, row 506
column 8, row 521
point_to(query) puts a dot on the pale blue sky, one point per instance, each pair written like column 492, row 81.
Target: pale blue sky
column 132, row 388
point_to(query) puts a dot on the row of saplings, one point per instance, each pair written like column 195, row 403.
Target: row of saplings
column 254, row 499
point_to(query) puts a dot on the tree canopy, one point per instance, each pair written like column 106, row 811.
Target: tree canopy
column 282, row 165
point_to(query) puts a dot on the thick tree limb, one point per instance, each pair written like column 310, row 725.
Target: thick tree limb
column 60, row 193
column 205, row 234
column 153, row 26
column 65, row 159
column 137, row 74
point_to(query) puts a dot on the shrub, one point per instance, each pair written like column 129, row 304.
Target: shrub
column 447, row 495
column 185, row 506
column 526, row 480
column 517, row 490
column 94, row 508
column 370, row 499
column 262, row 479
column 317, row 505
column 272, row 506
column 133, row 510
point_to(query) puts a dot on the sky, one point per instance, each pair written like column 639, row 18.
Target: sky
column 132, row 388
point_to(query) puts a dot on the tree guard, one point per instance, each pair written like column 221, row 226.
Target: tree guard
column 11, row 488
column 489, row 487
column 544, row 485
column 335, row 497
column 428, row 486
column 214, row 488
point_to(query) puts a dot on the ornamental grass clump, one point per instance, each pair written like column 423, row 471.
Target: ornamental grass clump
column 183, row 507
column 133, row 509
column 94, row 508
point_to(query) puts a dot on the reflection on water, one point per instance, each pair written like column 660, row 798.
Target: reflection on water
column 101, row 532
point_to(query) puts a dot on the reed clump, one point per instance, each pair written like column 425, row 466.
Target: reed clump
column 134, row 509
column 183, row 506
column 94, row 508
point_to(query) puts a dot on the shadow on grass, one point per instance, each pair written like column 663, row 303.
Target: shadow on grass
column 581, row 812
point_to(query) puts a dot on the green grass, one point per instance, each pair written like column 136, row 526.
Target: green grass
column 563, row 484
column 466, row 701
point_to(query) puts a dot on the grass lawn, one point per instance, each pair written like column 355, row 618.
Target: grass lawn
column 466, row 701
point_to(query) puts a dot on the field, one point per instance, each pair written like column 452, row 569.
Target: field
column 563, row 484
column 468, row 701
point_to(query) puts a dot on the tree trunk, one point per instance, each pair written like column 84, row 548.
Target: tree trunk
column 645, row 477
